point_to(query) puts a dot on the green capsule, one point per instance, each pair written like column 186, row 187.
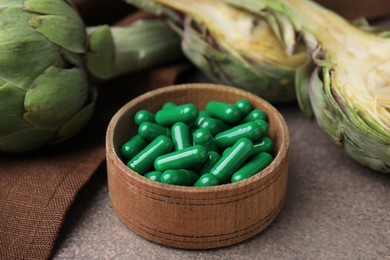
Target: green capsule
column 224, row 111
column 264, row 145
column 143, row 116
column 249, row 130
column 184, row 113
column 154, row 176
column 255, row 165
column 213, row 125
column 264, row 126
column 233, row 160
column 143, row 161
column 254, row 115
column 179, row 177
column 132, row 147
column 213, row 158
column 204, row 137
column 226, row 151
column 168, row 105
column 207, row 180
column 186, row 158
column 181, row 136
column 202, row 115
column 245, row 106
column 150, row 131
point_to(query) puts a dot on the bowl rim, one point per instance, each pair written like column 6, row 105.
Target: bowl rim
column 278, row 159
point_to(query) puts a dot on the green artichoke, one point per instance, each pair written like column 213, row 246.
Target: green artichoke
column 346, row 84
column 46, row 59
column 234, row 47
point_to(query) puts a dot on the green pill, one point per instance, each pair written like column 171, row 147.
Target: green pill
column 264, row 126
column 233, row 160
column 184, row 113
column 181, row 136
column 226, row 151
column 143, row 161
column 245, row 106
column 202, row 115
column 213, row 125
column 143, row 116
column 179, row 177
column 154, row 175
column 133, row 146
column 254, row 115
column 150, row 131
column 249, row 130
column 257, row 164
column 207, row 180
column 264, row 145
column 204, row 137
column 213, row 158
column 186, row 158
column 168, row 105
column 224, row 111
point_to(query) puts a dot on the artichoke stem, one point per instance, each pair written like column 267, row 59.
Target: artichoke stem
column 114, row 51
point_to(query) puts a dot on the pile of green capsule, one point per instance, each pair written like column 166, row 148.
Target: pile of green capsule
column 181, row 145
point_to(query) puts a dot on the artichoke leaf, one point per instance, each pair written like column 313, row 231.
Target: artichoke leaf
column 11, row 3
column 19, row 41
column 61, row 30
column 51, row 7
column 55, row 97
column 79, row 120
column 12, row 109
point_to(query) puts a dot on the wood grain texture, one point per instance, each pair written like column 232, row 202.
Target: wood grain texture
column 189, row 217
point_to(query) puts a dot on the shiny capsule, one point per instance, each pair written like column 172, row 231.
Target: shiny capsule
column 255, row 165
column 264, row 126
column 249, row 130
column 186, row 158
column 150, row 131
column 181, row 136
column 254, row 115
column 212, row 159
column 207, row 180
column 143, row 161
column 245, row 106
column 224, row 111
column 143, row 116
column 214, row 125
column 154, row 175
column 179, row 177
column 133, row 146
column 168, row 105
column 264, row 145
column 204, row 137
column 184, row 113
column 233, row 160
column 202, row 115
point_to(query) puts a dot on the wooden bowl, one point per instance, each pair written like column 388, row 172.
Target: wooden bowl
column 190, row 217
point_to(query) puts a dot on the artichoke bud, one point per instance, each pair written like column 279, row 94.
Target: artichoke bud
column 346, row 85
column 235, row 47
column 43, row 85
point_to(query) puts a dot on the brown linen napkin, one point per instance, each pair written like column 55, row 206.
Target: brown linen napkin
column 37, row 188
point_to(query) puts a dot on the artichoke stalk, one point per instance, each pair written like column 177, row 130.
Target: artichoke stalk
column 232, row 46
column 346, row 84
column 46, row 62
